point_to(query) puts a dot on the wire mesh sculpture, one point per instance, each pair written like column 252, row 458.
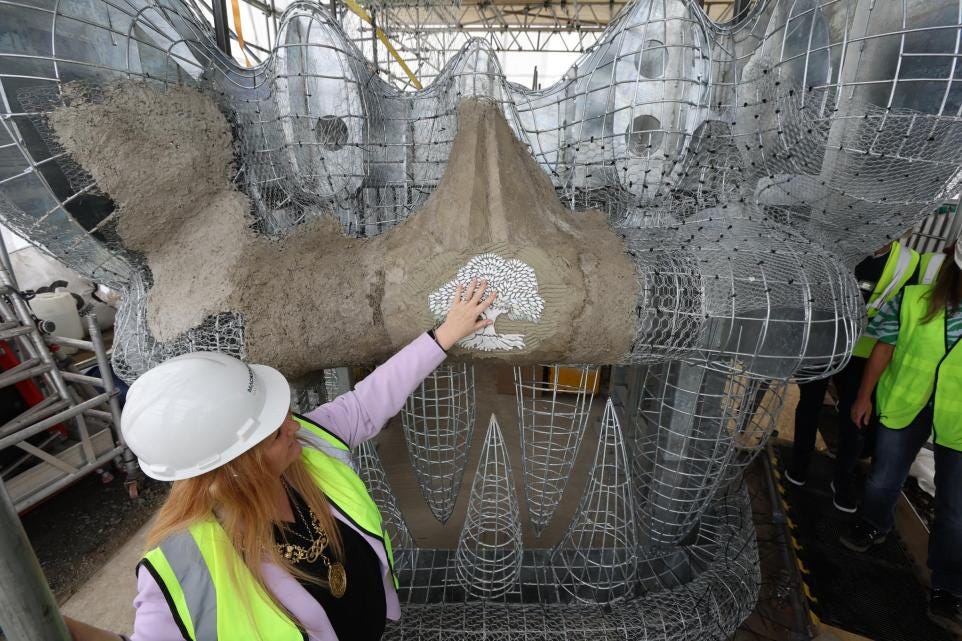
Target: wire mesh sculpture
column 438, row 420
column 692, row 429
column 488, row 556
column 693, row 593
column 596, row 559
column 552, row 418
column 748, row 166
column 314, row 121
column 371, row 471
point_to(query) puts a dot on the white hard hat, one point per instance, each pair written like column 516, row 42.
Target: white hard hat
column 198, row 411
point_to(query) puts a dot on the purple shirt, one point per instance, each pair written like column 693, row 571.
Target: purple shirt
column 355, row 417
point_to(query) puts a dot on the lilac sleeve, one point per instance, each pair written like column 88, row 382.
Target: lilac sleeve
column 153, row 621
column 359, row 415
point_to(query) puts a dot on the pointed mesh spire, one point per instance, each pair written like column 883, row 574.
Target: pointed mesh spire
column 596, row 560
column 552, row 416
column 488, row 557
column 438, row 420
column 371, row 471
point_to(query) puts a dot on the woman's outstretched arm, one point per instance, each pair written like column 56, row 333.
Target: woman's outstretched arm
column 360, row 414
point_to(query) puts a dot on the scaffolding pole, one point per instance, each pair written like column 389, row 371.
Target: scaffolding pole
column 28, row 611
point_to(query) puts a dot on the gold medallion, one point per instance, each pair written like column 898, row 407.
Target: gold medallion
column 337, row 579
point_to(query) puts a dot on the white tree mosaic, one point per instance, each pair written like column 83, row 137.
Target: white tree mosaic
column 517, row 287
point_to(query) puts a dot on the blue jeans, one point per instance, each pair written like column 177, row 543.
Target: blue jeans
column 895, row 451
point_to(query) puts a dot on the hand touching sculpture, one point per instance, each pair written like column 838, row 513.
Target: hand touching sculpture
column 464, row 318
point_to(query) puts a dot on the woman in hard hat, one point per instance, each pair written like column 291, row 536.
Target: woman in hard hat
column 268, row 532
column 917, row 364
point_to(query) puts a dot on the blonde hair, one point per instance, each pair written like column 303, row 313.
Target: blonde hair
column 241, row 494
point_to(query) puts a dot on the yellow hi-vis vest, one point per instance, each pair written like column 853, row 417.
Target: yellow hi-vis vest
column 929, row 266
column 923, row 360
column 193, row 568
column 899, row 268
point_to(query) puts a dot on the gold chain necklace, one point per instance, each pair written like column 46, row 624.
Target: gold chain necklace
column 336, row 575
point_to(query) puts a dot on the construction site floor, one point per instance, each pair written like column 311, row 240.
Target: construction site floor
column 878, row 593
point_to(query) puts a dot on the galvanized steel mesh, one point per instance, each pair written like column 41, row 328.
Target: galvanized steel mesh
column 552, row 417
column 748, row 165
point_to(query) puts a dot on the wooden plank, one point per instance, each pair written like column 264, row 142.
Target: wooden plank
column 832, row 633
column 44, row 474
column 568, row 379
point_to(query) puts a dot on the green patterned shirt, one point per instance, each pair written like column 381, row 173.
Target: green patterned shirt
column 885, row 325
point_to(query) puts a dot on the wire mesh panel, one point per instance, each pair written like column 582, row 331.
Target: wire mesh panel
column 371, row 471
column 817, row 129
column 743, row 294
column 697, row 592
column 693, row 429
column 553, row 417
column 438, row 420
column 596, row 560
column 488, row 557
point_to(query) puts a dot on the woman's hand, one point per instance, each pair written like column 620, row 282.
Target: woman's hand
column 861, row 413
column 463, row 318
column 80, row 631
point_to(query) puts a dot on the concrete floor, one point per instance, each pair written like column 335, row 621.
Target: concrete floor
column 106, row 599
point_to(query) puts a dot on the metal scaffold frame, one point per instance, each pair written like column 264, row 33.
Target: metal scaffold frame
column 85, row 401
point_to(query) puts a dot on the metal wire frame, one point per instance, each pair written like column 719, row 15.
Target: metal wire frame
column 135, row 350
column 596, row 559
column 698, row 592
column 438, row 420
column 488, row 554
column 667, row 122
column 552, row 418
column 371, row 471
column 692, row 429
column 761, row 159
column 743, row 295
column 648, row 21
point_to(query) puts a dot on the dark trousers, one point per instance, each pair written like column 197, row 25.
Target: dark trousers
column 895, row 450
column 850, row 438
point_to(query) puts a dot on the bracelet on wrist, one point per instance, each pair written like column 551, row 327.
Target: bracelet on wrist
column 435, row 338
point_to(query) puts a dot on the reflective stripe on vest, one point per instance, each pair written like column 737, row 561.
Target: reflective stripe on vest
column 923, row 362
column 344, row 489
column 929, row 267
column 190, row 566
column 898, row 269
column 194, row 569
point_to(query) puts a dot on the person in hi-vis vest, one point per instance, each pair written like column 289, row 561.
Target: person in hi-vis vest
column 268, row 533
column 881, row 278
column 917, row 367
